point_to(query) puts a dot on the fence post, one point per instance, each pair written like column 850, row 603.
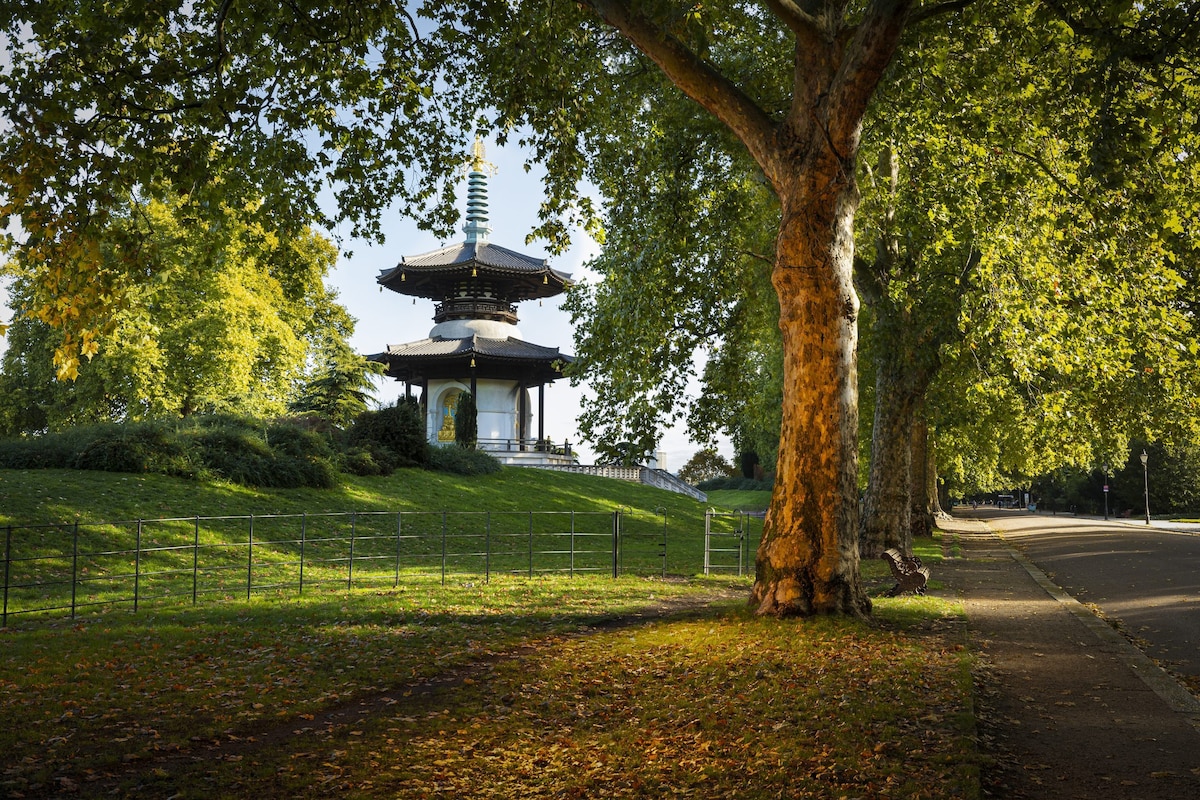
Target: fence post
column 137, row 566
column 350, row 571
column 662, row 510
column 572, row 570
column 399, row 529
column 443, row 548
column 707, row 538
column 250, row 558
column 195, row 558
column 7, row 562
column 742, row 544
column 487, row 550
column 531, row 544
column 303, row 542
column 616, row 539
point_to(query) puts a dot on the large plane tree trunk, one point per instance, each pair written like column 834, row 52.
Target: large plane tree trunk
column 886, row 505
column 808, row 560
column 922, row 507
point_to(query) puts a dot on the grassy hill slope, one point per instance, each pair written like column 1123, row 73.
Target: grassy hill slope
column 43, row 496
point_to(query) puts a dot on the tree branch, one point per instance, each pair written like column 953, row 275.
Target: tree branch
column 919, row 15
column 797, row 19
column 696, row 78
column 868, row 54
column 1045, row 168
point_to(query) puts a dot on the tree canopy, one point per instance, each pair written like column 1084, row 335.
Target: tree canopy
column 227, row 322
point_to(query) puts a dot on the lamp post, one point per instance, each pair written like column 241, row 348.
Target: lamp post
column 1106, row 492
column 1146, row 480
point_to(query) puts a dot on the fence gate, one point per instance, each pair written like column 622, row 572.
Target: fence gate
column 726, row 542
column 641, row 542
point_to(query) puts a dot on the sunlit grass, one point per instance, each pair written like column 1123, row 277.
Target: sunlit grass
column 242, row 700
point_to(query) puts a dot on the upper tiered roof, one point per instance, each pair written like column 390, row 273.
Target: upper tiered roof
column 475, row 268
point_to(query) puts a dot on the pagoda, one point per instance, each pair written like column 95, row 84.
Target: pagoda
column 475, row 344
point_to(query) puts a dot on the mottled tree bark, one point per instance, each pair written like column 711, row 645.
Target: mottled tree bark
column 808, row 560
column 887, row 504
column 922, row 507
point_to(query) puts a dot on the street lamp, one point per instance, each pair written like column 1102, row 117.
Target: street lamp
column 1146, row 480
column 1106, row 492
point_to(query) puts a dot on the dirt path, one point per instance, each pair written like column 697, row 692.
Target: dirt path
column 1067, row 708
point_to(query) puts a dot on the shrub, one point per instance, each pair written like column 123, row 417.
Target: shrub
column 466, row 422
column 44, row 451
column 462, row 461
column 743, row 484
column 280, row 456
column 363, row 462
column 394, row 435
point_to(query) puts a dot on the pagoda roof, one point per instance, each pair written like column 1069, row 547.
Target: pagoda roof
column 439, row 273
column 508, row 358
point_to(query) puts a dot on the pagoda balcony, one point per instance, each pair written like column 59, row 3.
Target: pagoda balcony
column 473, row 308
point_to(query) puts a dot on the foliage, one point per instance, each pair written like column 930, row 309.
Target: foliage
column 1079, row 333
column 684, row 268
column 341, row 389
column 703, row 465
column 227, row 324
column 466, row 422
column 388, row 438
column 625, row 705
column 1172, row 473
column 735, row 482
column 222, row 106
column 459, row 460
column 222, row 447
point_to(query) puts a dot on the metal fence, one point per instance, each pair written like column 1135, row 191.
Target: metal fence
column 61, row 569
column 727, row 541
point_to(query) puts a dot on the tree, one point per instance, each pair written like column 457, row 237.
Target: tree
column 1079, row 334
column 342, row 388
column 466, row 422
column 705, row 464
column 226, row 325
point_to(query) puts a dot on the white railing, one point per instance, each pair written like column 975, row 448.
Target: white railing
column 658, row 478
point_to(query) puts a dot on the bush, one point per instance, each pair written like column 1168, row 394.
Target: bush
column 46, row 451
column 394, row 435
column 111, row 452
column 462, row 461
column 363, row 462
column 281, row 456
column 742, row 484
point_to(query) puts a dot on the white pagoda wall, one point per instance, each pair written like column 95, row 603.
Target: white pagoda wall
column 496, row 404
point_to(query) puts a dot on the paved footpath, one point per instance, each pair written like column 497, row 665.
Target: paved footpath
column 1067, row 707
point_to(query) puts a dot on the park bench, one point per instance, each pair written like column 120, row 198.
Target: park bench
column 910, row 574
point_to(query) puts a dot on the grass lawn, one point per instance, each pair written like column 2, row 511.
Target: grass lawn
column 521, row 688
column 739, row 500
column 517, row 687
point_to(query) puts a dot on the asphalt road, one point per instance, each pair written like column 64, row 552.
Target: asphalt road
column 1145, row 579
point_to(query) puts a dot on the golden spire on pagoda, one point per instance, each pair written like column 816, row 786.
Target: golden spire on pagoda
column 478, row 162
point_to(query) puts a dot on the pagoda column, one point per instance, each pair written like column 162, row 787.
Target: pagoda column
column 521, row 415
column 541, row 412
